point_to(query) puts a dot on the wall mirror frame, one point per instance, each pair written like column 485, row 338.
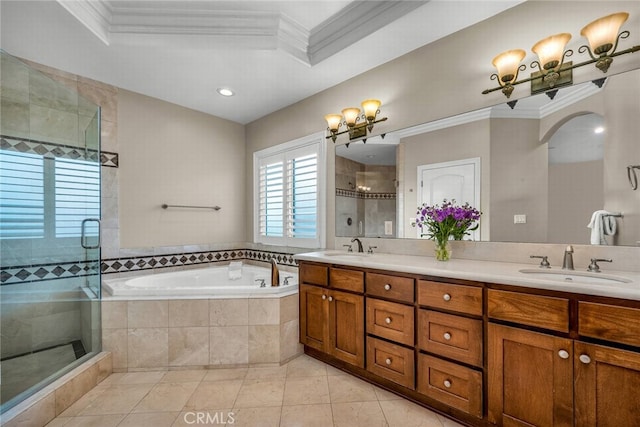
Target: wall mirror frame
column 544, row 169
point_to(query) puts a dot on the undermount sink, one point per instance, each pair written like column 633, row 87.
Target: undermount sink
column 347, row 254
column 574, row 276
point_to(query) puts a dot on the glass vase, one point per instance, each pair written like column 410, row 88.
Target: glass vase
column 443, row 250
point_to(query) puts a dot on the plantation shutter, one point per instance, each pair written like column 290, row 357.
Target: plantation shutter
column 271, row 197
column 77, row 194
column 302, row 196
column 21, row 195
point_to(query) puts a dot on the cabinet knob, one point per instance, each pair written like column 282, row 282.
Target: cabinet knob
column 324, row 297
column 388, row 361
column 564, row 354
column 585, row 359
column 446, row 297
column 330, row 298
column 387, row 287
column 447, row 336
column 447, row 383
column 387, row 320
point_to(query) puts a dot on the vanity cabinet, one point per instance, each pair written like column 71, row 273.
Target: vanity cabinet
column 538, row 378
column 332, row 320
column 484, row 354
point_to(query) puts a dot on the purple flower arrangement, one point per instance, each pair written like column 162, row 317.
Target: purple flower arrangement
column 448, row 220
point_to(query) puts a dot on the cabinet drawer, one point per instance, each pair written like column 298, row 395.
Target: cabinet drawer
column 451, row 336
column 392, row 287
column 348, row 280
column 393, row 362
column 390, row 320
column 457, row 386
column 533, row 310
column 609, row 322
column 460, row 298
column 313, row 274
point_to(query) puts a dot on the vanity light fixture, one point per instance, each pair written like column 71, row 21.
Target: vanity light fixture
column 357, row 125
column 603, row 37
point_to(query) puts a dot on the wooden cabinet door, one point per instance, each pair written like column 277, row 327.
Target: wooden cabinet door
column 346, row 327
column 607, row 383
column 313, row 317
column 530, row 378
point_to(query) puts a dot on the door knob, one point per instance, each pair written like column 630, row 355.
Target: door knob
column 387, row 320
column 585, row 359
column 447, row 336
column 388, row 361
column 564, row 354
column 387, row 287
column 446, row 297
column 447, row 383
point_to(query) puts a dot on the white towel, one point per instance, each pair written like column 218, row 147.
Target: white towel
column 603, row 223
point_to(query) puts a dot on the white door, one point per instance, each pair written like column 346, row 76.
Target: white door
column 458, row 180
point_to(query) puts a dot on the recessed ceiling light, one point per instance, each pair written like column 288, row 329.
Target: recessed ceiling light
column 225, row 91
column 599, row 129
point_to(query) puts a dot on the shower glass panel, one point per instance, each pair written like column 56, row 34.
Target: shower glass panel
column 49, row 229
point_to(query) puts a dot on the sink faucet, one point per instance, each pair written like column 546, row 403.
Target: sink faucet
column 567, row 262
column 360, row 248
column 275, row 274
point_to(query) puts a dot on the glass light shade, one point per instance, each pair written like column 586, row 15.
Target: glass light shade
column 333, row 121
column 370, row 108
column 507, row 64
column 351, row 115
column 602, row 33
column 551, row 49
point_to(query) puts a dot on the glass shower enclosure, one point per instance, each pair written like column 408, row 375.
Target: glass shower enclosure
column 49, row 229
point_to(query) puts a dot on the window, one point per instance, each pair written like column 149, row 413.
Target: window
column 288, row 192
column 21, row 195
column 42, row 198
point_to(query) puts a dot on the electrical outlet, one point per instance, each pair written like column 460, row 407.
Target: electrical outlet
column 388, row 228
column 520, row 219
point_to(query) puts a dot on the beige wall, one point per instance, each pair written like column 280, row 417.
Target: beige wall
column 518, row 181
column 445, row 145
column 436, row 81
column 170, row 154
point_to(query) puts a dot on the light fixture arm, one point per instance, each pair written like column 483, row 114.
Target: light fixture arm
column 352, row 130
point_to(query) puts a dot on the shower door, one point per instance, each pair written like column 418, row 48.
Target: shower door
column 49, row 229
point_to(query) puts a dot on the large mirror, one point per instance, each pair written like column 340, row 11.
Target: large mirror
column 539, row 172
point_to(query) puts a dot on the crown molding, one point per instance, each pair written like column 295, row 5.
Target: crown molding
column 447, row 122
column 152, row 24
column 96, row 15
column 353, row 23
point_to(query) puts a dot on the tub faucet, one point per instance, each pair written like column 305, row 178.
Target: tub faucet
column 275, row 274
column 360, row 248
column 567, row 262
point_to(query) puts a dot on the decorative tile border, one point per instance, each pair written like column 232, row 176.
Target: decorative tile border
column 51, row 150
column 36, row 273
column 42, row 272
column 364, row 195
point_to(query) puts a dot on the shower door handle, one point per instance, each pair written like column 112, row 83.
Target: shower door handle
column 83, row 228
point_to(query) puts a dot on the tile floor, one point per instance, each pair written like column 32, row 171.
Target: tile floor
column 302, row 393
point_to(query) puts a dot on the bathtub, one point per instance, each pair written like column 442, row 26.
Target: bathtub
column 210, row 283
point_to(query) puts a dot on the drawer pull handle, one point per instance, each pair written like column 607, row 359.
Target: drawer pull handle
column 564, row 354
column 388, row 361
column 446, row 297
column 330, row 298
column 585, row 359
column 447, row 336
column 387, row 320
column 447, row 383
column 387, row 287
column 324, row 297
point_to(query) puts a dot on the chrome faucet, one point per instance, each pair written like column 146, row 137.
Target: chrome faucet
column 567, row 262
column 594, row 267
column 360, row 248
column 275, row 274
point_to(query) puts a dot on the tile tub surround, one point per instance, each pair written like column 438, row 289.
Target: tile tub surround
column 199, row 333
column 57, row 397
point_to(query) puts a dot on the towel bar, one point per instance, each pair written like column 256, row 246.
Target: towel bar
column 215, row 208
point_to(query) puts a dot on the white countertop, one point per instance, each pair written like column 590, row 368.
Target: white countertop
column 487, row 271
